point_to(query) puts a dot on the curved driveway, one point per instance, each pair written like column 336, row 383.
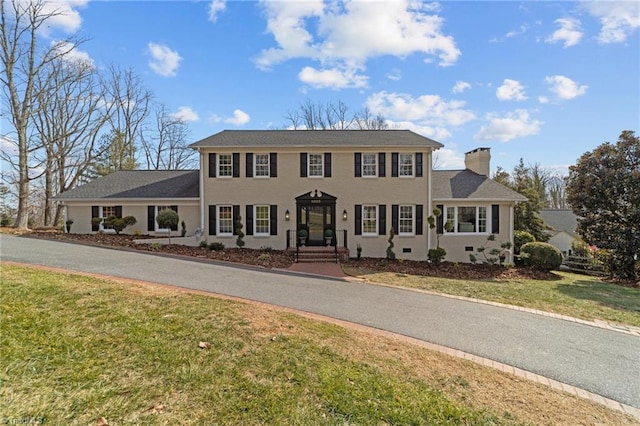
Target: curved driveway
column 601, row 361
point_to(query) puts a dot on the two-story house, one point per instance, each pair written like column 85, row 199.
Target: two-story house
column 358, row 184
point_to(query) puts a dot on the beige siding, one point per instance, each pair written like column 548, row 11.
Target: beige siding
column 343, row 184
column 81, row 214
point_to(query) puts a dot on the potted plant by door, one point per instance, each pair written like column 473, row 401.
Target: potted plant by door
column 302, row 236
column 328, row 236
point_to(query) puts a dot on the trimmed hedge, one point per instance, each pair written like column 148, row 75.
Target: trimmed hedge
column 542, row 256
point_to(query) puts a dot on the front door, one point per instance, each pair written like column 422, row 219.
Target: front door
column 316, row 213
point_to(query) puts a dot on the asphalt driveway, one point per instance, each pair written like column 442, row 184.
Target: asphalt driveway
column 598, row 360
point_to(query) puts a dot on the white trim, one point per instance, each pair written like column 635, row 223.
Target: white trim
column 413, row 221
column 218, row 231
column 309, row 154
column 218, row 157
column 377, row 220
column 255, row 221
column 255, row 165
column 375, row 165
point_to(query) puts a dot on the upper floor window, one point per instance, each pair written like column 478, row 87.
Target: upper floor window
column 315, row 165
column 405, row 165
column 225, row 165
column 369, row 165
column 261, row 165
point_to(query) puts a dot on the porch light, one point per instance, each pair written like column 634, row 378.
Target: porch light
column 287, row 216
column 344, row 214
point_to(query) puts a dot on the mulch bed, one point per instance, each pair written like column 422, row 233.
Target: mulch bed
column 282, row 259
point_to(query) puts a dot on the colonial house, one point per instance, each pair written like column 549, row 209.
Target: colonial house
column 360, row 185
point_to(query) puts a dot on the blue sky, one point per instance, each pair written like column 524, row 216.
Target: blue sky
column 543, row 81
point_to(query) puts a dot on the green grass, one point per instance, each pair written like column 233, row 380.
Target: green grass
column 75, row 349
column 575, row 295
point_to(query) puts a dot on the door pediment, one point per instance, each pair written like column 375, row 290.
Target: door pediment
column 316, row 196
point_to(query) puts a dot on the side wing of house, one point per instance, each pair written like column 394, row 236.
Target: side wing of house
column 141, row 194
column 359, row 185
column 474, row 208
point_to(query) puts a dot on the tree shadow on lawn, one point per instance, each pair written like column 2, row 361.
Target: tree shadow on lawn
column 613, row 296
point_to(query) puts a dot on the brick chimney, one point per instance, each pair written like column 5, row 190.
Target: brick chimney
column 478, row 160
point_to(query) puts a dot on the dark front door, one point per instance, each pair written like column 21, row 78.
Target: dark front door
column 316, row 213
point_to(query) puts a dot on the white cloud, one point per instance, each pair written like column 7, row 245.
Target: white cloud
column 395, row 74
column 72, row 53
column 215, row 7
column 513, row 125
column 428, row 115
column 448, row 159
column 63, row 14
column 543, row 99
column 185, row 113
column 239, row 118
column 332, row 78
column 345, row 35
column 164, row 61
column 564, row 88
column 461, row 86
column 619, row 19
column 569, row 32
column 511, row 90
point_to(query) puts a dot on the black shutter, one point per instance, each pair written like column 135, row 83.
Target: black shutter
column 440, row 220
column 394, row 164
column 394, row 217
column 212, row 220
column 212, row 165
column 273, row 219
column 495, row 219
column 236, row 165
column 382, row 166
column 249, row 161
column 327, row 164
column 418, row 164
column 358, row 218
column 175, row 209
column 236, row 216
column 382, row 219
column 95, row 212
column 118, row 211
column 303, row 164
column 249, row 220
column 357, row 158
column 419, row 219
column 151, row 220
column 273, row 164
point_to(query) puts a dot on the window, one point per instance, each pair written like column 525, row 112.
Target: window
column 405, row 165
column 225, row 165
column 369, row 167
column 405, row 220
column 261, row 220
column 106, row 212
column 261, row 165
column 225, row 220
column 369, row 220
column 466, row 219
column 315, row 166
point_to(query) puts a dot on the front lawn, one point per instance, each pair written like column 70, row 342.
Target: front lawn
column 76, row 350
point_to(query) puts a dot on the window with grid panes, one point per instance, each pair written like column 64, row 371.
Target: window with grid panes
column 370, row 220
column 261, row 165
column 225, row 220
column 405, row 220
column 369, row 168
column 225, row 165
column 261, row 219
column 315, row 165
column 405, row 165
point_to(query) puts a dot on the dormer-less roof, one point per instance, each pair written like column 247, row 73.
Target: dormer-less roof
column 468, row 185
column 154, row 184
column 317, row 138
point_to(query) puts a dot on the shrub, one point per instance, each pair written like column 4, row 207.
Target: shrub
column 183, row 232
column 580, row 248
column 541, row 256
column 436, row 255
column 391, row 255
column 155, row 246
column 204, row 244
column 240, row 239
column 168, row 219
column 521, row 238
column 68, row 224
column 119, row 223
column 216, row 246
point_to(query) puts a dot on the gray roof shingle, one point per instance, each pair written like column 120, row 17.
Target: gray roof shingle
column 317, row 138
column 560, row 220
column 465, row 184
column 138, row 184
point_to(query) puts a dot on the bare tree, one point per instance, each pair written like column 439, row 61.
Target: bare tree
column 165, row 146
column 72, row 111
column 23, row 58
column 557, row 192
column 332, row 116
column 129, row 101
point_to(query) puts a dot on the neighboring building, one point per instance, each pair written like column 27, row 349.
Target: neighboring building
column 359, row 184
column 564, row 225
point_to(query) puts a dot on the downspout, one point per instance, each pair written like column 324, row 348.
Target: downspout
column 201, row 190
column 511, row 206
